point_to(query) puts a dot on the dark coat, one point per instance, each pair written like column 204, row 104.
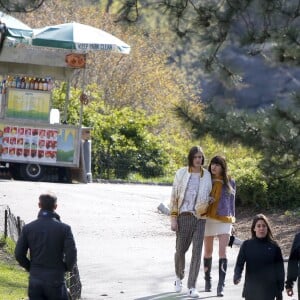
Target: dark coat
column 51, row 246
column 293, row 270
column 264, row 277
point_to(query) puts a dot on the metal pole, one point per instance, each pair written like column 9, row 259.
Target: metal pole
column 87, row 154
column 67, row 100
column 19, row 226
column 81, row 106
column 5, row 223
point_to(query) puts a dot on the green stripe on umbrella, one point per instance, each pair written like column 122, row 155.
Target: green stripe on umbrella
column 15, row 28
column 79, row 37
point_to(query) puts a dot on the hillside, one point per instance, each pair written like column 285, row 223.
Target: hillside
column 284, row 226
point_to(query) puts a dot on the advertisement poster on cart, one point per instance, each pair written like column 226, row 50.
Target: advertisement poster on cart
column 43, row 145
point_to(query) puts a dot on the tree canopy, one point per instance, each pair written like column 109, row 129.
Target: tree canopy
column 126, row 94
column 147, row 84
column 268, row 29
column 20, row 6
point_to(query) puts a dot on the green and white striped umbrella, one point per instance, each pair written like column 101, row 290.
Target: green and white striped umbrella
column 15, row 28
column 78, row 37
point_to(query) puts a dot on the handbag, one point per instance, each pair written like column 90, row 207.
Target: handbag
column 231, row 240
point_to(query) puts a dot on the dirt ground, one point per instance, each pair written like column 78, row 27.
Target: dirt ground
column 284, row 226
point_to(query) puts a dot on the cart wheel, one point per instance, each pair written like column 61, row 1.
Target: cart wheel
column 32, row 172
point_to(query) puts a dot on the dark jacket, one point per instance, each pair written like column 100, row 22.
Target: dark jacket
column 293, row 270
column 264, row 277
column 50, row 243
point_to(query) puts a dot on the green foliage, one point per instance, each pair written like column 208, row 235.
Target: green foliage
column 146, row 140
column 162, row 180
column 243, row 166
column 124, row 144
column 13, row 280
column 284, row 193
column 151, row 86
column 273, row 132
column 9, row 246
column 215, row 25
column 252, row 189
column 122, row 139
column 70, row 111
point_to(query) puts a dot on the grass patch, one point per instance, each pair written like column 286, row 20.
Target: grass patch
column 13, row 282
column 135, row 177
column 13, row 279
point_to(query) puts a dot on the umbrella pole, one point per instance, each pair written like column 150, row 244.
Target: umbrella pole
column 67, row 101
column 81, row 112
column 81, row 102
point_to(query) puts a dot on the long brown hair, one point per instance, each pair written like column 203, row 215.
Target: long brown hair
column 220, row 160
column 192, row 153
column 262, row 217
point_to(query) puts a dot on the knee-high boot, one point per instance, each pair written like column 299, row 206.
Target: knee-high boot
column 222, row 275
column 207, row 270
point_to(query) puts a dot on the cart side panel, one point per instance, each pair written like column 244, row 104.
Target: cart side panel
column 56, row 145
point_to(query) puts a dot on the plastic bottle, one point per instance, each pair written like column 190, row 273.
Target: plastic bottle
column 41, row 84
column 4, row 86
column 23, row 82
column 32, row 81
column 50, row 84
column 18, row 82
column 27, row 83
column 8, row 81
column 36, row 83
column 13, row 82
column 45, row 85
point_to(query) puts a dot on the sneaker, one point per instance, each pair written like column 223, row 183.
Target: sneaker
column 193, row 293
column 178, row 285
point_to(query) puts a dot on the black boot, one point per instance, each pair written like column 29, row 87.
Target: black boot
column 207, row 270
column 222, row 275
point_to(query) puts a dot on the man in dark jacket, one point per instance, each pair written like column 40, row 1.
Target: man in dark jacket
column 293, row 269
column 52, row 252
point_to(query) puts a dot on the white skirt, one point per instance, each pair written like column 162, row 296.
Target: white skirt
column 214, row 227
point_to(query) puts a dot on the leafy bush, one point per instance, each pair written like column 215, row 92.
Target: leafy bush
column 252, row 190
column 123, row 143
column 285, row 193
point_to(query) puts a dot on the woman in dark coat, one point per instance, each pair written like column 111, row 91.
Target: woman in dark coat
column 293, row 269
column 264, row 279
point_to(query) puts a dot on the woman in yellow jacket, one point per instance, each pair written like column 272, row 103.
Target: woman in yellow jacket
column 220, row 216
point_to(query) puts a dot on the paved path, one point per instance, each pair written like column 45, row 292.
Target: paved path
column 125, row 247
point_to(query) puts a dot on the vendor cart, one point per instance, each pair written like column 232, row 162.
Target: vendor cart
column 33, row 140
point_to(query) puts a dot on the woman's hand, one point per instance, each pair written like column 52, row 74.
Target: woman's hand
column 174, row 224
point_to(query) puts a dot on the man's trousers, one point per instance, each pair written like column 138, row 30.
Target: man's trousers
column 190, row 230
